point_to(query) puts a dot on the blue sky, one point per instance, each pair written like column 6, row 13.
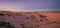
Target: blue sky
column 31, row 4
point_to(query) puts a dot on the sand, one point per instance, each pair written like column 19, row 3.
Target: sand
column 42, row 19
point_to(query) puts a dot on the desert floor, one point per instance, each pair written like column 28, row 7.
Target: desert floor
column 32, row 19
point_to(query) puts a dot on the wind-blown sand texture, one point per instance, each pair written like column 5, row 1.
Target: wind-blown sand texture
column 31, row 19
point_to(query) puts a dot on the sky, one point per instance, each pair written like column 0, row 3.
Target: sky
column 35, row 5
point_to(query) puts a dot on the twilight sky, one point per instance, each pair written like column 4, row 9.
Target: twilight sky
column 41, row 5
